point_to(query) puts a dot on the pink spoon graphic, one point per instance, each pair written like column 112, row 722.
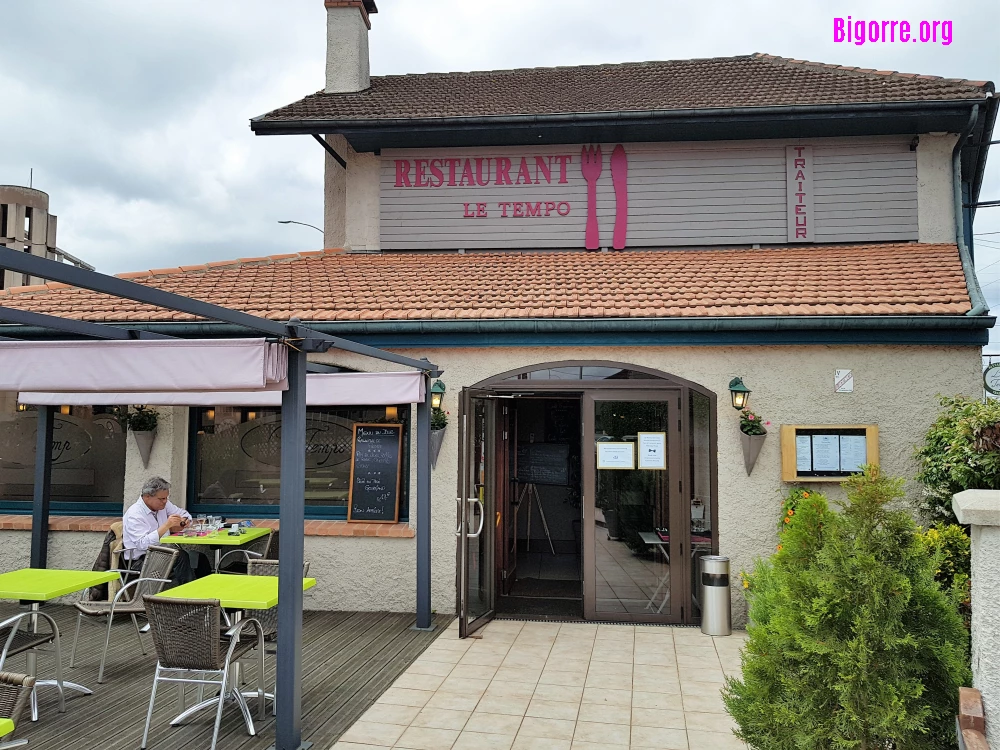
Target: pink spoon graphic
column 619, row 177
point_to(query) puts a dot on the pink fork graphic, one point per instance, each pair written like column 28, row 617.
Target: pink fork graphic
column 591, row 164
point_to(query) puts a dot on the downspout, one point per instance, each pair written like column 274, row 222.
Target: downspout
column 979, row 306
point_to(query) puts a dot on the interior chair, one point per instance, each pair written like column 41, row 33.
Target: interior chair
column 157, row 565
column 16, row 641
column 235, row 561
column 191, row 648
column 15, row 692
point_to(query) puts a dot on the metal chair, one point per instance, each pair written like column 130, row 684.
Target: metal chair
column 268, row 618
column 15, row 692
column 255, row 550
column 191, row 648
column 157, row 565
column 17, row 641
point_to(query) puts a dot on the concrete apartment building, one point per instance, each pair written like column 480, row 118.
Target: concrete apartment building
column 27, row 225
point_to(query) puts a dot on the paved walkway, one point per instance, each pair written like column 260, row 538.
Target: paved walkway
column 546, row 686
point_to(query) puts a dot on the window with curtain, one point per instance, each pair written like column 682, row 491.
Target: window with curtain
column 236, row 455
column 88, row 459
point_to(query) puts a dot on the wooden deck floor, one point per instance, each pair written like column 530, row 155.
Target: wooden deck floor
column 349, row 659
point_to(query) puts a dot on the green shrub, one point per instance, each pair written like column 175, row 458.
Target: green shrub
column 439, row 419
column 961, row 451
column 142, row 419
column 950, row 548
column 853, row 644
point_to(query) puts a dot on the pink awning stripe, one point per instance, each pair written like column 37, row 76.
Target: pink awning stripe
column 335, row 389
column 161, row 365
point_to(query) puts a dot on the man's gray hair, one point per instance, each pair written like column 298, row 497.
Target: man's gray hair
column 154, row 485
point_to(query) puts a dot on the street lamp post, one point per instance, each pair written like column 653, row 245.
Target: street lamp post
column 302, row 223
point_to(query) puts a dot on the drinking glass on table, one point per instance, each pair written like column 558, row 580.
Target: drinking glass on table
column 199, row 523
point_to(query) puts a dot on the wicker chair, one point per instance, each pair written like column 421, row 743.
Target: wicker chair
column 17, row 641
column 268, row 618
column 15, row 693
column 238, row 559
column 191, row 648
column 157, row 565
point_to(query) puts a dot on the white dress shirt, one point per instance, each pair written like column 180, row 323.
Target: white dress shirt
column 140, row 526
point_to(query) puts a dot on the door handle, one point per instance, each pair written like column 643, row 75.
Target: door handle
column 458, row 526
column 482, row 517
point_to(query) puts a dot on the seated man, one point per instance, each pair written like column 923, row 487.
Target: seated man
column 153, row 516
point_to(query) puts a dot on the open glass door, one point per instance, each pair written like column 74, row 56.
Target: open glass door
column 476, row 510
column 635, row 554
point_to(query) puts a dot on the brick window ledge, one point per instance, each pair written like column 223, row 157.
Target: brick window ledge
column 313, row 527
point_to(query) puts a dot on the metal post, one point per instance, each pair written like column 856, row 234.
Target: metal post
column 424, row 509
column 288, row 692
column 43, row 488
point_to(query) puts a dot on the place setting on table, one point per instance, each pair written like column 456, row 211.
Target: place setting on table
column 213, row 533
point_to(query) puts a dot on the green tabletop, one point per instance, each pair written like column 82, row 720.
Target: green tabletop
column 6, row 727
column 234, row 592
column 219, row 538
column 42, row 584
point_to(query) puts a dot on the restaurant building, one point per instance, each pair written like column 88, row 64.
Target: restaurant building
column 593, row 255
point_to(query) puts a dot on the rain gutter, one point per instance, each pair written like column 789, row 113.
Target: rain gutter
column 979, row 306
column 579, row 326
column 265, row 126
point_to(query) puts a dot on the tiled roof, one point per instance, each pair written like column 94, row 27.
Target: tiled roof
column 756, row 80
column 876, row 279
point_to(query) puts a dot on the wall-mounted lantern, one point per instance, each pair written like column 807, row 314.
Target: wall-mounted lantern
column 740, row 393
column 437, row 394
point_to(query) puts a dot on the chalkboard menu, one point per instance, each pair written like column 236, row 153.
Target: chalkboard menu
column 375, row 473
column 543, row 463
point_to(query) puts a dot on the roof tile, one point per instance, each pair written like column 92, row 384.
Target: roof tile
column 744, row 81
column 872, row 279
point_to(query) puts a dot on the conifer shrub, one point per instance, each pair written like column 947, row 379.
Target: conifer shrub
column 852, row 643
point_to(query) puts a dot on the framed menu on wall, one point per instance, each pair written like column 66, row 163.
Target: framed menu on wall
column 826, row 453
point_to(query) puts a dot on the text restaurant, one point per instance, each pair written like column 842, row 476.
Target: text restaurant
column 658, row 293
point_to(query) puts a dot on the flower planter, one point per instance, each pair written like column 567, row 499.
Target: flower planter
column 144, row 442
column 437, row 438
column 751, row 449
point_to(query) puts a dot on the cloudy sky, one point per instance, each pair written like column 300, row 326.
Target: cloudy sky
column 135, row 116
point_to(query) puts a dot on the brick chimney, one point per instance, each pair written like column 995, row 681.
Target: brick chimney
column 347, row 27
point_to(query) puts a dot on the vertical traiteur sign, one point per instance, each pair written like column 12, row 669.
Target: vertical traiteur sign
column 799, row 192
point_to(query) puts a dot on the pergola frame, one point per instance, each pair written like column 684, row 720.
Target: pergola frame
column 300, row 340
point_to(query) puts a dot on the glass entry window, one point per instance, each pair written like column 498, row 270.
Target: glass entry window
column 635, row 552
column 476, row 501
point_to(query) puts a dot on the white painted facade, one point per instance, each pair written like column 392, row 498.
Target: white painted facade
column 981, row 509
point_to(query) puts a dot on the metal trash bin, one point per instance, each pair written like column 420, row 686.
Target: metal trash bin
column 716, row 612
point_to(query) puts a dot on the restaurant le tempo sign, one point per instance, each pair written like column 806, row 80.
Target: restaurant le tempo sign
column 608, row 195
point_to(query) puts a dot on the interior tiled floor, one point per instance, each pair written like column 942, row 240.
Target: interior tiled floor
column 550, row 686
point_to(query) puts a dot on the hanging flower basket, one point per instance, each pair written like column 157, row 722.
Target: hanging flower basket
column 437, row 438
column 142, row 424
column 753, row 430
column 751, row 449
column 439, row 421
column 144, row 442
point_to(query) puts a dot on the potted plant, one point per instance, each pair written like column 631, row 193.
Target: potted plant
column 439, row 420
column 142, row 423
column 752, row 433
